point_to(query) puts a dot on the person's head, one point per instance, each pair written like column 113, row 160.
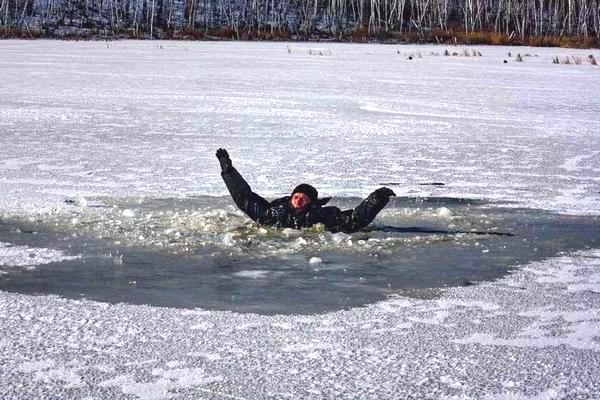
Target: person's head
column 303, row 196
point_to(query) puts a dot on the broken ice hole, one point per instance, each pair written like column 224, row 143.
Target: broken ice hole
column 202, row 253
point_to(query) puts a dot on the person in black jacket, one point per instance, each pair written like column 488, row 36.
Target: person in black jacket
column 303, row 208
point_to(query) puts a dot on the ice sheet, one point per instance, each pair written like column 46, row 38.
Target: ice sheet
column 138, row 118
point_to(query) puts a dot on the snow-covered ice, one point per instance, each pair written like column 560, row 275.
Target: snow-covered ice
column 137, row 118
column 84, row 120
column 518, row 337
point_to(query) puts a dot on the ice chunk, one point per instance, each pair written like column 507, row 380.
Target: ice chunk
column 24, row 256
column 301, row 241
column 81, row 201
column 253, row 274
column 128, row 213
column 315, row 260
column 228, row 239
column 289, row 232
column 339, row 237
column 444, row 212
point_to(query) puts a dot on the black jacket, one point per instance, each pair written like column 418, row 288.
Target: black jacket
column 279, row 213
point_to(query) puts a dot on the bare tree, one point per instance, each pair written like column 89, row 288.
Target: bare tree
column 307, row 17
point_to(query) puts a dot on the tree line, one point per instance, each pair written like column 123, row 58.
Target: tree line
column 302, row 18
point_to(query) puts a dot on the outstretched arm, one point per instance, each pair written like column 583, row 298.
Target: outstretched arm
column 361, row 216
column 249, row 202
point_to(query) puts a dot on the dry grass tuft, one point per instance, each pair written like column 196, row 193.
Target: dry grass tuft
column 360, row 35
column 574, row 60
column 19, row 33
column 320, row 52
column 592, row 59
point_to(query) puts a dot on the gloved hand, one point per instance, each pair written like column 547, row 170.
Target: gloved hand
column 383, row 194
column 224, row 159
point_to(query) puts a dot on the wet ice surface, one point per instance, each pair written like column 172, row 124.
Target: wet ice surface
column 192, row 252
column 132, row 119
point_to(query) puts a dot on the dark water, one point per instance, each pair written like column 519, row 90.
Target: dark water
column 413, row 249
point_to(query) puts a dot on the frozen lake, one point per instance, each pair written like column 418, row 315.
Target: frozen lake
column 144, row 118
column 128, row 131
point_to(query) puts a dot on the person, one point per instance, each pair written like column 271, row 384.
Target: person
column 303, row 208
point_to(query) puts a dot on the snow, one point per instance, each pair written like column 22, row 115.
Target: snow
column 80, row 120
column 170, row 379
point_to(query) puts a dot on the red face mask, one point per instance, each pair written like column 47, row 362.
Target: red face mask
column 300, row 201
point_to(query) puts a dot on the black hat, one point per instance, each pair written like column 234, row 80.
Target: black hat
column 308, row 190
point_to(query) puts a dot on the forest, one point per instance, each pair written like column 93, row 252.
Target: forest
column 535, row 22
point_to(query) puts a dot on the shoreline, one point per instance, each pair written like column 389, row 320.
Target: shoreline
column 450, row 38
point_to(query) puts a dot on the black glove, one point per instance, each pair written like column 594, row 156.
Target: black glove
column 224, row 159
column 383, row 194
